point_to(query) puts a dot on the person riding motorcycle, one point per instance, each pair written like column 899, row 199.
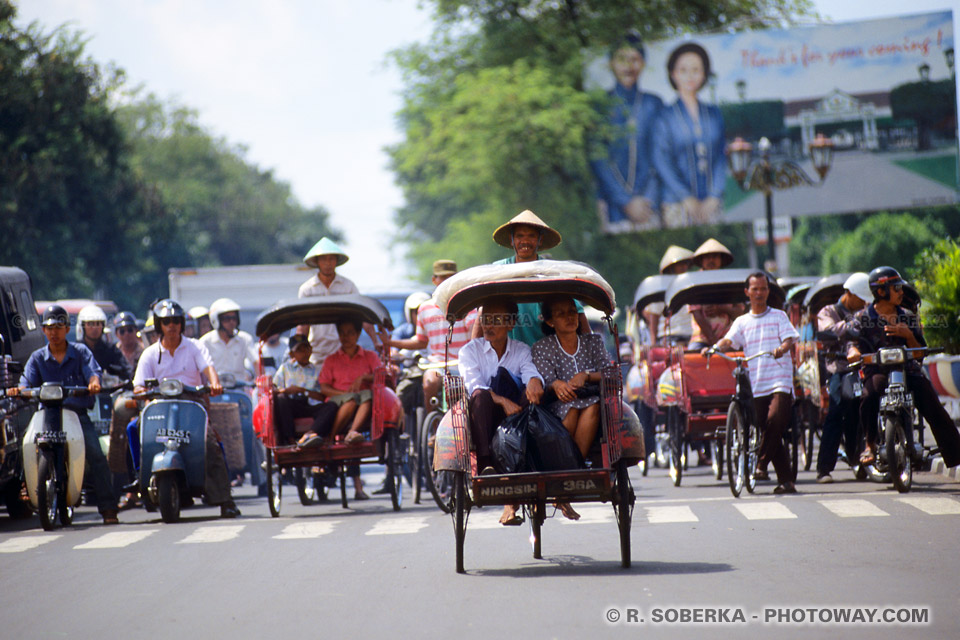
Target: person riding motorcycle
column 201, row 316
column 231, row 349
column 185, row 359
column 885, row 323
column 128, row 339
column 91, row 322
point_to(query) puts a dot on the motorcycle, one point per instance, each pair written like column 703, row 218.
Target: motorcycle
column 173, row 432
column 53, row 454
column 235, row 391
column 898, row 451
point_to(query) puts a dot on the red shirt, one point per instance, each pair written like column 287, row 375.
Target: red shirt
column 340, row 370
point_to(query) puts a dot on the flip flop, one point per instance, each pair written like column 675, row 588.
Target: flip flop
column 353, row 437
column 515, row 521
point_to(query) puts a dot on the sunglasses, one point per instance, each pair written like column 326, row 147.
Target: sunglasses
column 166, row 321
column 226, row 318
column 897, row 287
column 123, row 330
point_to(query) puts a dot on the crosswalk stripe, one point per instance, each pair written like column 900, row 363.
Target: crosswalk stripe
column 303, row 530
column 219, row 533
column 853, row 508
column 589, row 514
column 116, row 539
column 489, row 518
column 934, row 506
column 663, row 515
column 394, row 526
column 25, row 543
column 764, row 510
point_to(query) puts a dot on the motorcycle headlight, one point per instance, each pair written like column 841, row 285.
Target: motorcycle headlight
column 171, row 387
column 891, row 356
column 228, row 380
column 51, row 393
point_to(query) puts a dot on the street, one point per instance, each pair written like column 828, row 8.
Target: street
column 321, row 571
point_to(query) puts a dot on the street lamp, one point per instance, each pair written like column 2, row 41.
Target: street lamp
column 924, row 70
column 948, row 54
column 767, row 176
column 741, row 89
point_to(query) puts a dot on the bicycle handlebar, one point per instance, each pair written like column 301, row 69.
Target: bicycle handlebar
column 737, row 359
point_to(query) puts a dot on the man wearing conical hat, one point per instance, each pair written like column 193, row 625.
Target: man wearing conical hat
column 712, row 255
column 675, row 260
column 711, row 321
column 325, row 257
column 527, row 234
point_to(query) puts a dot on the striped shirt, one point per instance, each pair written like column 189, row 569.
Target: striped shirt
column 765, row 332
column 432, row 324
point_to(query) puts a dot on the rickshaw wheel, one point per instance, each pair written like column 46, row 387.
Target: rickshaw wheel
column 394, row 459
column 676, row 445
column 436, row 481
column 752, row 447
column 343, row 486
column 274, row 485
column 459, row 513
column 624, row 499
column 538, row 514
column 716, row 454
column 736, row 450
column 310, row 488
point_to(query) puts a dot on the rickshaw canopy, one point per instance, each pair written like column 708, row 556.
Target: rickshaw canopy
column 524, row 282
column 789, row 282
column 287, row 314
column 651, row 289
column 718, row 286
column 824, row 291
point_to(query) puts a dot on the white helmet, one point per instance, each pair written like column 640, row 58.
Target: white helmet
column 198, row 312
column 413, row 302
column 219, row 307
column 90, row 313
column 859, row 285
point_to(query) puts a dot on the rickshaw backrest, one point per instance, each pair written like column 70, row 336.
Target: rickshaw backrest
column 700, row 383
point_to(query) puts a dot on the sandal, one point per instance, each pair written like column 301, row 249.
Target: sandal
column 514, row 521
column 309, row 439
column 354, row 437
column 867, row 457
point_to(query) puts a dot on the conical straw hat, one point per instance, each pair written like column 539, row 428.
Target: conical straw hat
column 713, row 246
column 673, row 255
column 549, row 237
column 325, row 247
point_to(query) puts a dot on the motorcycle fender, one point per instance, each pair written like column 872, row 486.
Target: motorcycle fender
column 168, row 461
column 75, row 458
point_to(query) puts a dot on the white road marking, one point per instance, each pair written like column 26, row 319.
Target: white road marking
column 589, row 514
column 220, row 533
column 395, row 526
column 116, row 539
column 489, row 518
column 853, row 508
column 764, row 510
column 663, row 515
column 25, row 543
column 303, row 530
column 933, row 506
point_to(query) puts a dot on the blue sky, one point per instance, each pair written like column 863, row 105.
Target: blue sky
column 304, row 85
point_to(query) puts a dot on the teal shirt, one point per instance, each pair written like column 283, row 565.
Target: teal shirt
column 528, row 328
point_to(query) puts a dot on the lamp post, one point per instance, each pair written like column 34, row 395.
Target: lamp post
column 924, row 70
column 766, row 176
column 948, row 54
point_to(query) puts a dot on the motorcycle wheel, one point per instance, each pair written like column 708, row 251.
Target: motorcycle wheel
column 47, row 495
column 899, row 461
column 168, row 495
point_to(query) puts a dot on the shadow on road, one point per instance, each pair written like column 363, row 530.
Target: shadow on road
column 553, row 566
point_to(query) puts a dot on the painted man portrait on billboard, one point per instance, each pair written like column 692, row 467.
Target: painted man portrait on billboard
column 882, row 91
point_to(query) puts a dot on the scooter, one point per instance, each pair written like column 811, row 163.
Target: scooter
column 173, row 433
column 53, row 454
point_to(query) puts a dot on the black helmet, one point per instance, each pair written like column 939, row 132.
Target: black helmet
column 55, row 314
column 883, row 277
column 125, row 319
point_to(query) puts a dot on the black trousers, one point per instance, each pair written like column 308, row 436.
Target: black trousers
column 926, row 400
column 485, row 417
column 289, row 408
column 842, row 420
column 773, row 414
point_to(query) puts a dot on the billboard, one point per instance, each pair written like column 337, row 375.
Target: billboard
column 882, row 91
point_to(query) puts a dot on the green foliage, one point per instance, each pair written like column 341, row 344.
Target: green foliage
column 496, row 121
column 882, row 239
column 753, row 120
column 925, row 103
column 937, row 278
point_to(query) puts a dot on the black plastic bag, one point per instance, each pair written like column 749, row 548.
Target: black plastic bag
column 509, row 444
column 550, row 447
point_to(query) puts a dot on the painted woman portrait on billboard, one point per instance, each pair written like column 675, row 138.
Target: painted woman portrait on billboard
column 688, row 144
column 628, row 191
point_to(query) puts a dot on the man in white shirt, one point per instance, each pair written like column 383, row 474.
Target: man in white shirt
column 766, row 329
column 232, row 350
column 325, row 257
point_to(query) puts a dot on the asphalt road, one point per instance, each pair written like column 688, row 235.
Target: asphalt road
column 368, row 572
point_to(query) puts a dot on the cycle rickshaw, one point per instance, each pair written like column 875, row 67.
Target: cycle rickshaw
column 695, row 392
column 384, row 445
column 619, row 444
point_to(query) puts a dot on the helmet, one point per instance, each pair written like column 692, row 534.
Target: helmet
column 125, row 319
column 219, row 307
column 198, row 312
column 881, row 278
column 413, row 302
column 859, row 285
column 89, row 313
column 55, row 314
column 168, row 308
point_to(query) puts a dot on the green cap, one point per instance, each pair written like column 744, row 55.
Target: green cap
column 325, row 247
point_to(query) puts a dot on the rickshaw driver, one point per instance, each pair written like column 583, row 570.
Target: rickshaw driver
column 884, row 323
column 527, row 234
column 766, row 329
column 184, row 359
column 481, row 362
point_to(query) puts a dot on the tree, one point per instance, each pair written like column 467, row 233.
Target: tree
column 496, row 121
column 937, row 278
column 882, row 239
